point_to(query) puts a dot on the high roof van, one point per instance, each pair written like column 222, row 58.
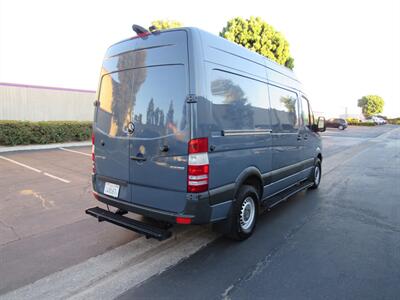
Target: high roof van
column 190, row 128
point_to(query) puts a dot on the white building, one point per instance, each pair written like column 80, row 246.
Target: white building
column 40, row 103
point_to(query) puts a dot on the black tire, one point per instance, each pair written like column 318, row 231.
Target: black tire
column 241, row 225
column 315, row 172
column 341, row 127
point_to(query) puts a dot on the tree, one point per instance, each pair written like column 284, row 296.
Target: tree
column 289, row 63
column 170, row 113
column 371, row 105
column 166, row 24
column 257, row 35
column 150, row 112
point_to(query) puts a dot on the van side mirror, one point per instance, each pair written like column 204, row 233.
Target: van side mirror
column 321, row 127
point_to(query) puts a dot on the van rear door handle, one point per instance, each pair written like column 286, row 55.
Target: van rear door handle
column 138, row 158
column 164, row 148
column 299, row 137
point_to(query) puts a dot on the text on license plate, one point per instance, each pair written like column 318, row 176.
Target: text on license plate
column 111, row 189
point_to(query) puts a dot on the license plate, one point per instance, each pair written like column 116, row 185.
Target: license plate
column 111, row 189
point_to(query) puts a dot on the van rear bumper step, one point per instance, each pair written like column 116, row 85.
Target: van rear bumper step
column 148, row 230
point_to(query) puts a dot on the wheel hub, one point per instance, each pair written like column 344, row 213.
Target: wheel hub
column 247, row 214
column 317, row 175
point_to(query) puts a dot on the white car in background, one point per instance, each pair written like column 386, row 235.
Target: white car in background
column 378, row 120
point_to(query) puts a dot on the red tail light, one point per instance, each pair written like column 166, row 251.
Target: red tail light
column 141, row 35
column 93, row 156
column 198, row 166
column 198, row 145
column 182, row 220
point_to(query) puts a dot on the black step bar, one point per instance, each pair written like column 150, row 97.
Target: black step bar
column 148, row 230
column 270, row 202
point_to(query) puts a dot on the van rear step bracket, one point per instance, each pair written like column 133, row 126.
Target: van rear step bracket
column 148, row 230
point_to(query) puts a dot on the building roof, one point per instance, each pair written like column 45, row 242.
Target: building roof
column 29, row 86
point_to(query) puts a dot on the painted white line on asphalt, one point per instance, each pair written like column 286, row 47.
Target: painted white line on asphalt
column 74, row 151
column 34, row 169
column 55, row 177
column 43, row 147
column 110, row 274
column 21, row 164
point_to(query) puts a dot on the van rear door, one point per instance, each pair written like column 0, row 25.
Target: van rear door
column 158, row 144
column 111, row 140
column 142, row 128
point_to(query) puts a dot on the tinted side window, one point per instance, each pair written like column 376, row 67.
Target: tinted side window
column 283, row 110
column 305, row 112
column 238, row 102
column 312, row 118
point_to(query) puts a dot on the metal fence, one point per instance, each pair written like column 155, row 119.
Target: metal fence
column 40, row 103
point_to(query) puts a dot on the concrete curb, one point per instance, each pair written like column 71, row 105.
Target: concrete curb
column 110, row 274
column 44, row 147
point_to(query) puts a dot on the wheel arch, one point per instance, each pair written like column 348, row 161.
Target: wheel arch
column 250, row 176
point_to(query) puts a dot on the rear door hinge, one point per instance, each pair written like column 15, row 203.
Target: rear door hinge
column 96, row 103
column 191, row 98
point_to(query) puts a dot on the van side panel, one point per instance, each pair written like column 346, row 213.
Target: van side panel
column 235, row 98
column 233, row 154
column 288, row 147
column 282, row 80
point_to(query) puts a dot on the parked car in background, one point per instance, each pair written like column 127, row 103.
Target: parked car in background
column 369, row 120
column 377, row 120
column 337, row 123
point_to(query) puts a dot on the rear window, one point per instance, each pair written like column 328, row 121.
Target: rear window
column 153, row 98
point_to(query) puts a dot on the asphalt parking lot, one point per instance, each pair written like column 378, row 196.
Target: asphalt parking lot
column 341, row 241
column 43, row 227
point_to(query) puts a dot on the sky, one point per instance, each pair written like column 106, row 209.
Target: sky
column 343, row 50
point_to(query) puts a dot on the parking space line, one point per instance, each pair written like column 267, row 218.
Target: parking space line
column 34, row 169
column 55, row 177
column 74, row 151
column 21, row 164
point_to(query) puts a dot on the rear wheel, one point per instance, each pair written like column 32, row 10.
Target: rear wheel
column 315, row 177
column 244, row 214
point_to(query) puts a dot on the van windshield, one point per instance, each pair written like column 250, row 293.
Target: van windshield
column 152, row 98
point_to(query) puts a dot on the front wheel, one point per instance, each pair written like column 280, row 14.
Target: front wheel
column 316, row 174
column 244, row 214
column 341, row 127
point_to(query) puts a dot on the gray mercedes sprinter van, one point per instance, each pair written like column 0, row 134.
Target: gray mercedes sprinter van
column 190, row 128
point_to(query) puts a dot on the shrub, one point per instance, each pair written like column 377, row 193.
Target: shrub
column 353, row 120
column 395, row 121
column 23, row 132
column 358, row 122
column 362, row 123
